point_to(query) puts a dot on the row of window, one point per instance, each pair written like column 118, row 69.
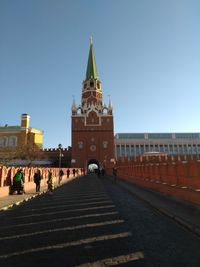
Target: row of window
column 159, row 136
column 189, row 136
column 130, row 136
column 80, row 144
column 92, row 84
column 10, row 141
column 135, row 150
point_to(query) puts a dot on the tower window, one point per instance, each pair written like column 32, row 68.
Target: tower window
column 105, row 144
column 80, row 144
column 98, row 85
column 91, row 84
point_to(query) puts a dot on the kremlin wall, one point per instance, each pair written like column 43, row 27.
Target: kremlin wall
column 7, row 174
column 177, row 176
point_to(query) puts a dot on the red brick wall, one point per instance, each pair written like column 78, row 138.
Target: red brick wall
column 177, row 176
column 7, row 174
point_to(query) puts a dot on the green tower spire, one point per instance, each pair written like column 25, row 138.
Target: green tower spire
column 91, row 66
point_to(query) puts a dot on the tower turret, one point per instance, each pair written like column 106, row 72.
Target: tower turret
column 25, row 120
column 74, row 108
column 110, row 108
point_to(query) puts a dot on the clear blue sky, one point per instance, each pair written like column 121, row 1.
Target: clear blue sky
column 147, row 55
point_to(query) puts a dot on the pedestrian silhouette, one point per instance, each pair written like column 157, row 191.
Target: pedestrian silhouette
column 37, row 180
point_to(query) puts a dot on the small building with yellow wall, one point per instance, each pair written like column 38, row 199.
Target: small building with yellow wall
column 13, row 137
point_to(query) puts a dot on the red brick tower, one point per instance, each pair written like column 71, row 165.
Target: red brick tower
column 92, row 123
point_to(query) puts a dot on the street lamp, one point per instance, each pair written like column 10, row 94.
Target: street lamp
column 60, row 155
column 60, row 158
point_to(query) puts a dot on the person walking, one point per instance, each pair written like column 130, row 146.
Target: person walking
column 61, row 173
column 18, row 182
column 99, row 172
column 74, row 172
column 68, row 173
column 50, row 181
column 115, row 174
column 37, row 180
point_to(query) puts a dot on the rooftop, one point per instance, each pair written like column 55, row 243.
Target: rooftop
column 146, row 136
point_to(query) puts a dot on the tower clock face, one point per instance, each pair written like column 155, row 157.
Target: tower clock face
column 93, row 148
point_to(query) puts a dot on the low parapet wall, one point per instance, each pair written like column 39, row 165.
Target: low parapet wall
column 7, row 174
column 179, row 178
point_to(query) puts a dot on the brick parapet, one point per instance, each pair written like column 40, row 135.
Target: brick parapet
column 178, row 176
column 7, row 174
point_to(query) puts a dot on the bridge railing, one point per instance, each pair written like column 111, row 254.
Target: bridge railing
column 165, row 174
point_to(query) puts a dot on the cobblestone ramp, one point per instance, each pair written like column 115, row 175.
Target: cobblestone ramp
column 78, row 225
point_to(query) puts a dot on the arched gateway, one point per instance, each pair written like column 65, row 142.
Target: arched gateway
column 93, row 165
column 92, row 122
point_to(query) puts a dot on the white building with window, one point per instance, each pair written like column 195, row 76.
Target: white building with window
column 135, row 144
